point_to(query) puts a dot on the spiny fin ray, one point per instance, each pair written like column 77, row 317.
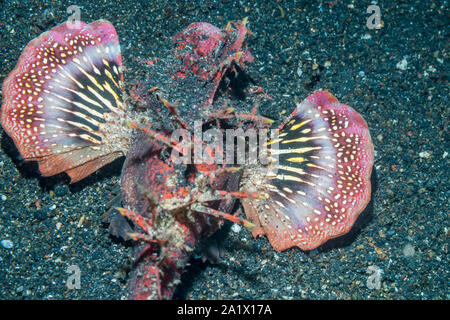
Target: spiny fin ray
column 323, row 178
column 63, row 100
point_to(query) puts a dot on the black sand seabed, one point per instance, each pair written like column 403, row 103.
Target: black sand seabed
column 396, row 77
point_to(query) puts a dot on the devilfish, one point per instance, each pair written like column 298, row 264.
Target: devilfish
column 65, row 106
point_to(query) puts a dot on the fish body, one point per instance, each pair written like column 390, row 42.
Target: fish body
column 191, row 77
